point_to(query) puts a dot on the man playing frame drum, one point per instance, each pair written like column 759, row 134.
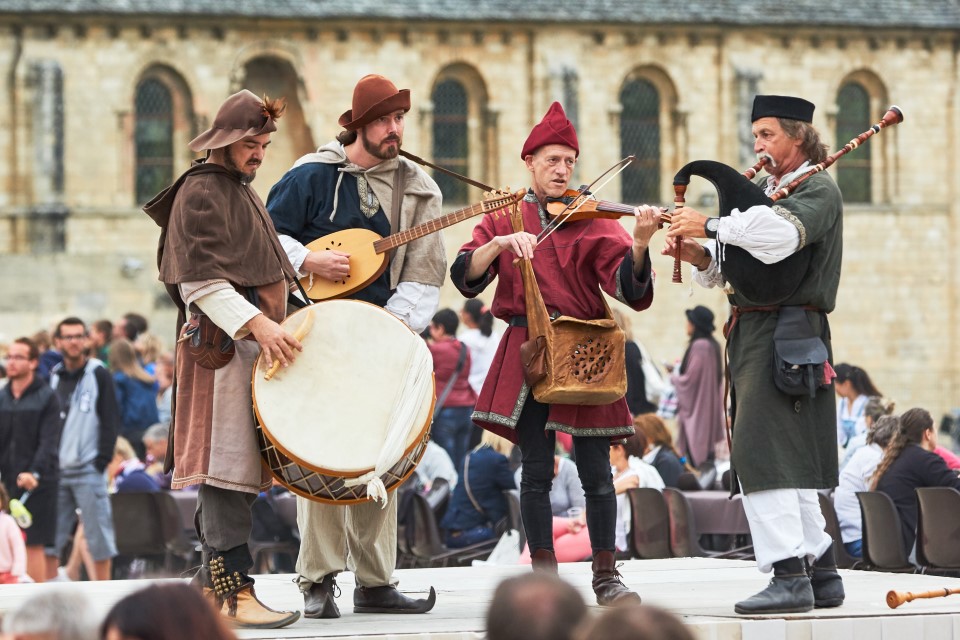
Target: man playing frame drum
column 572, row 265
column 351, row 183
column 225, row 270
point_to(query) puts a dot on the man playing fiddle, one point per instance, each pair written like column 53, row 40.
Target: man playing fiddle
column 571, row 265
column 349, row 183
column 784, row 446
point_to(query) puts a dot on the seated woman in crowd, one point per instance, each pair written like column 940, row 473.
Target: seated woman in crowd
column 909, row 463
column 854, row 387
column 126, row 471
column 661, row 453
column 624, row 477
column 570, row 540
column 478, row 502
column 873, row 410
column 856, row 476
column 13, row 549
column 636, row 446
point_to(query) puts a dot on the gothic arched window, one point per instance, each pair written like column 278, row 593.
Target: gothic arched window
column 153, row 138
column 853, row 118
column 450, row 137
column 640, row 136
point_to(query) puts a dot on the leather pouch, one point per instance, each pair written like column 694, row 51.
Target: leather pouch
column 207, row 344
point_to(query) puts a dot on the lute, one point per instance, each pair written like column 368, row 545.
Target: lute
column 369, row 252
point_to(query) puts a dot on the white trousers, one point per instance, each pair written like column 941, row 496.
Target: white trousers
column 786, row 523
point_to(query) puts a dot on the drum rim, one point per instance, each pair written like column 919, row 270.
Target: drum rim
column 335, row 472
column 422, row 439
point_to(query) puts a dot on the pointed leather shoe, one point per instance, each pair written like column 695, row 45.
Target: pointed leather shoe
column 387, row 599
column 607, row 583
column 789, row 591
column 318, row 600
column 243, row 609
column 826, row 582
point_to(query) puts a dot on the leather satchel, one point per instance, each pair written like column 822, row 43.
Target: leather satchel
column 208, row 345
column 568, row 360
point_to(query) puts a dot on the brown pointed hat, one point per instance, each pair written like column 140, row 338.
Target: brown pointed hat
column 553, row 129
column 242, row 115
column 374, row 96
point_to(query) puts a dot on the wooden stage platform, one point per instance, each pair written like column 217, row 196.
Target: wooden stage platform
column 702, row 591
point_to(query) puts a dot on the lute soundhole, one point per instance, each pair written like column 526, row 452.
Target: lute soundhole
column 333, row 244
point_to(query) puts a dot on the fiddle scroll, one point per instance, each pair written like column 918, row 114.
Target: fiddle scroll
column 897, row 598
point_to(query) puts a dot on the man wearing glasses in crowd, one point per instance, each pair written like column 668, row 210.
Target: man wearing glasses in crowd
column 90, row 419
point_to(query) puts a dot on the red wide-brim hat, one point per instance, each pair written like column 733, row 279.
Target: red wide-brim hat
column 373, row 97
column 242, row 115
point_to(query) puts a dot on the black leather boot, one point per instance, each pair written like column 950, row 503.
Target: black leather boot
column 387, row 599
column 788, row 592
column 826, row 582
column 544, row 560
column 607, row 584
column 318, row 600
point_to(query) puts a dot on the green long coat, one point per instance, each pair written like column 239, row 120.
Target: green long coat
column 781, row 441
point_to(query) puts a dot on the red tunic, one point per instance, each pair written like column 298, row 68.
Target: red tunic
column 571, row 266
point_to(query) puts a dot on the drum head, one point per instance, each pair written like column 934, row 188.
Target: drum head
column 331, row 408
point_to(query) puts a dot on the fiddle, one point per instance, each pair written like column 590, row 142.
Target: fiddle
column 585, row 207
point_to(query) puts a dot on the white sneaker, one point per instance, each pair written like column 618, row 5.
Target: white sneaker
column 61, row 576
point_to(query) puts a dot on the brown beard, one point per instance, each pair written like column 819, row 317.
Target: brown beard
column 232, row 165
column 389, row 154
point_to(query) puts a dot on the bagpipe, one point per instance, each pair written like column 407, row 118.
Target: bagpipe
column 763, row 284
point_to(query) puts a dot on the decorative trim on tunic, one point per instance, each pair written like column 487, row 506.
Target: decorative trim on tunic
column 511, row 421
column 784, row 213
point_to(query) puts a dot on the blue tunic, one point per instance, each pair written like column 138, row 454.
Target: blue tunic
column 300, row 205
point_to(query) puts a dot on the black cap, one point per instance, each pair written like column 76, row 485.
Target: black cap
column 701, row 318
column 782, row 107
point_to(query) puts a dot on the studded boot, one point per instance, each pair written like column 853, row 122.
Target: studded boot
column 789, row 591
column 826, row 582
column 607, row 582
column 237, row 601
column 544, row 560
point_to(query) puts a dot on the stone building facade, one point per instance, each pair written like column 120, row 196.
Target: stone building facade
column 100, row 102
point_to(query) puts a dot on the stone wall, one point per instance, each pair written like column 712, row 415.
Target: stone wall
column 897, row 309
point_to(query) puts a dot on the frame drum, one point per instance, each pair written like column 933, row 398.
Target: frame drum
column 323, row 420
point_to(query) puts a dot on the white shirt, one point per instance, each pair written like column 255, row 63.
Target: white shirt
column 482, row 349
column 764, row 232
column 436, row 463
column 623, row 510
column 856, row 476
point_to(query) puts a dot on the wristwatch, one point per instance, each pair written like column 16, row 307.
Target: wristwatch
column 711, row 226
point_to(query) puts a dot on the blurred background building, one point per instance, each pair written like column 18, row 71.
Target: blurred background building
column 100, row 98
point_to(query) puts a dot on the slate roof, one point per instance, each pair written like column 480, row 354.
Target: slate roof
column 923, row 14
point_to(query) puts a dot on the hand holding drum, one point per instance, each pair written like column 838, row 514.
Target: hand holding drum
column 298, row 335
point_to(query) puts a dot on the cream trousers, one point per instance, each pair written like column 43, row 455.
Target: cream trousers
column 358, row 537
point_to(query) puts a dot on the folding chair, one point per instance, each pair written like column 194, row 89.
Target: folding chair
column 938, row 529
column 649, row 524
column 883, row 546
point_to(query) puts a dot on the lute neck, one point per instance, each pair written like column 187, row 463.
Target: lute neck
column 414, row 233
